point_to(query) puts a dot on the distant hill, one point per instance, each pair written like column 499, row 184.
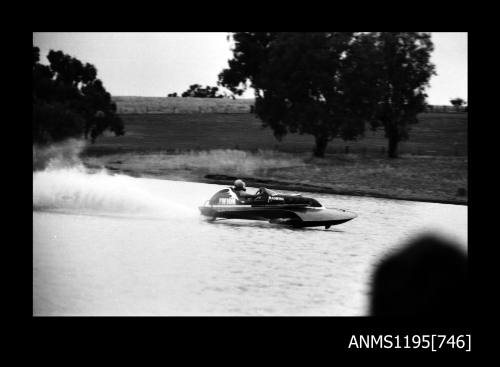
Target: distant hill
column 156, row 105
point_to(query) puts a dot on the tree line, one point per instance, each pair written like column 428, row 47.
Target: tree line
column 326, row 84
column 197, row 91
column 70, row 101
column 333, row 84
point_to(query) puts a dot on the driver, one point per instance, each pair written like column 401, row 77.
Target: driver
column 240, row 189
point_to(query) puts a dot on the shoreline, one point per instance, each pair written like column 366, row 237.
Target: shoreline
column 277, row 185
column 210, row 148
column 274, row 184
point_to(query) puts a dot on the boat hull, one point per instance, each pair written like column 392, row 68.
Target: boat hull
column 294, row 215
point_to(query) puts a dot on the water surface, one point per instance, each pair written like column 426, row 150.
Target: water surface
column 117, row 245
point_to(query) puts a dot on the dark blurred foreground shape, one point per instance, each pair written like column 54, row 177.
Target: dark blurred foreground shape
column 428, row 277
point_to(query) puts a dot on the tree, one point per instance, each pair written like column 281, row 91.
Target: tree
column 196, row 90
column 458, row 103
column 303, row 82
column 172, row 94
column 69, row 100
column 403, row 63
column 54, row 122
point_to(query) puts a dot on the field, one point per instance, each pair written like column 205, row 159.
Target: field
column 142, row 105
column 216, row 147
column 435, row 134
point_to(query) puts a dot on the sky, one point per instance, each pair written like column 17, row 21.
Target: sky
column 156, row 64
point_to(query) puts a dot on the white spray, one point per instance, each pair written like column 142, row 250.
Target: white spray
column 62, row 183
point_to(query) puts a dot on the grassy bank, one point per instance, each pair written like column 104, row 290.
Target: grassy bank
column 422, row 178
column 215, row 147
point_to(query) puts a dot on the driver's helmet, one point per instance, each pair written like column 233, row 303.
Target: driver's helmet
column 239, row 184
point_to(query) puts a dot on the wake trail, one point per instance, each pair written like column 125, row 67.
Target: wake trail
column 75, row 190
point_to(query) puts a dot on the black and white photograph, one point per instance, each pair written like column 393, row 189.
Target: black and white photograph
column 250, row 174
